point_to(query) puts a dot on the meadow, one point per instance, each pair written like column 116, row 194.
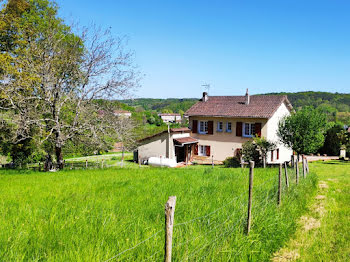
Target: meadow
column 117, row 214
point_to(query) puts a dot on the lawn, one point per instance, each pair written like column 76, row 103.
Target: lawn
column 328, row 236
column 95, row 215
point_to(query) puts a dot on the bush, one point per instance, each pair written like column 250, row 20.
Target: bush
column 232, row 162
column 251, row 153
column 114, row 158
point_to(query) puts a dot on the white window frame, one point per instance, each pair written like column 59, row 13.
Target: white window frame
column 250, row 133
column 202, row 150
column 227, row 129
column 218, row 126
column 205, row 127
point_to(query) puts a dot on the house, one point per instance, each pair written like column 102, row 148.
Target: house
column 170, row 118
column 221, row 124
column 123, row 113
column 174, row 143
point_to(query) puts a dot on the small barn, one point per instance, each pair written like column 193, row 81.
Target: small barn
column 174, row 143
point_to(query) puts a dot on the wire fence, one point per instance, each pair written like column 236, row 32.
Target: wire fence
column 215, row 229
column 68, row 165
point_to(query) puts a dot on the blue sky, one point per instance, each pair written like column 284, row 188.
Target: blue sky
column 266, row 46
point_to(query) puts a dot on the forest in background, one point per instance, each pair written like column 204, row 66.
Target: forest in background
column 335, row 105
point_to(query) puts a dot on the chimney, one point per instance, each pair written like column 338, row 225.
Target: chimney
column 205, row 97
column 247, row 98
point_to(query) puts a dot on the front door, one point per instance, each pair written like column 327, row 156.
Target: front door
column 180, row 154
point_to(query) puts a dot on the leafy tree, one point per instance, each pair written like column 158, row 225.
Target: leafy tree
column 250, row 152
column 332, row 141
column 53, row 78
column 303, row 131
column 264, row 146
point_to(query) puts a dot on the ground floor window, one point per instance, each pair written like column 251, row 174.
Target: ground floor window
column 204, row 150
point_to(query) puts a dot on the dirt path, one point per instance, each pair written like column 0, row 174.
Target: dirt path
column 307, row 223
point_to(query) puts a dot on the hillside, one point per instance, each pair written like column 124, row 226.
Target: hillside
column 328, row 102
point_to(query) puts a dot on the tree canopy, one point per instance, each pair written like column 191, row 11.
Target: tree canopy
column 303, row 131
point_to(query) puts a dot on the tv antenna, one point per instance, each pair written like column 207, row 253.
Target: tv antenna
column 207, row 87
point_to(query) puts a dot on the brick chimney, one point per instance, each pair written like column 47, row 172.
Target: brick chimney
column 247, row 98
column 205, row 97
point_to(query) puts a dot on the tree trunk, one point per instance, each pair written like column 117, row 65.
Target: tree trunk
column 59, row 157
column 264, row 161
column 48, row 163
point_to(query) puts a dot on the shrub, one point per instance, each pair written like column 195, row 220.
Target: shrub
column 251, row 153
column 232, row 162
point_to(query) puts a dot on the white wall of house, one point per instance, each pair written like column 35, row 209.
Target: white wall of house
column 171, row 118
column 272, row 127
column 160, row 146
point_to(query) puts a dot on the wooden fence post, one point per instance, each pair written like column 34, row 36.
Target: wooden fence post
column 39, row 166
column 122, row 164
column 169, row 224
column 307, row 165
column 286, row 174
column 242, row 163
column 279, row 184
column 86, row 163
column 292, row 161
column 251, row 174
column 212, row 161
column 296, row 171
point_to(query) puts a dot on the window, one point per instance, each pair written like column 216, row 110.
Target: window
column 228, row 127
column 204, row 150
column 203, row 127
column 248, row 129
column 220, row 126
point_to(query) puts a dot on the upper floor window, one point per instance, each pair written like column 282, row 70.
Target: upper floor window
column 228, row 127
column 220, row 126
column 203, row 127
column 248, row 129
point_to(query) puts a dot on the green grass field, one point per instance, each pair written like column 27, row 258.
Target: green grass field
column 329, row 236
column 94, row 215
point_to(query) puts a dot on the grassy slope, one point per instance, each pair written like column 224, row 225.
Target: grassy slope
column 95, row 214
column 331, row 241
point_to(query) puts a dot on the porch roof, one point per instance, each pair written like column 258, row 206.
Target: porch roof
column 185, row 140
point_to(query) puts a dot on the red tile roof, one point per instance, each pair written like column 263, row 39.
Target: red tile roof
column 186, row 140
column 260, row 106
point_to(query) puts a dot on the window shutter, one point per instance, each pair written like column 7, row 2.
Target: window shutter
column 210, row 127
column 271, row 155
column 278, row 153
column 196, row 149
column 194, row 126
column 258, row 129
column 207, row 148
column 239, row 129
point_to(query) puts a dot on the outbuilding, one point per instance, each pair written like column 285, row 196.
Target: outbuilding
column 174, row 143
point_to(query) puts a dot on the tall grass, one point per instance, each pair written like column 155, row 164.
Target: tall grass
column 94, row 215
